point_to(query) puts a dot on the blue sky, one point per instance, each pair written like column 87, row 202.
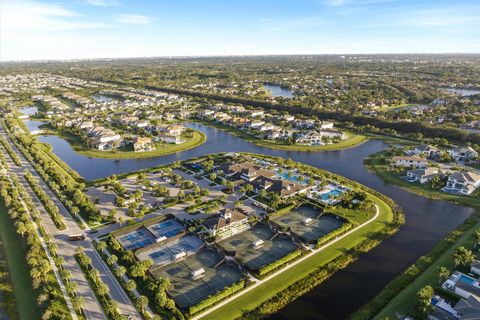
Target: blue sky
column 43, row 29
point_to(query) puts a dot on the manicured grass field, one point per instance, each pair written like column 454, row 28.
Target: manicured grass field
column 351, row 141
column 405, row 301
column 197, row 139
column 254, row 298
column 378, row 164
column 25, row 296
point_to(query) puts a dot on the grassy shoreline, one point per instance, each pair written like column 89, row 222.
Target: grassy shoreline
column 376, row 162
column 403, row 302
column 397, row 295
column 352, row 140
column 198, row 139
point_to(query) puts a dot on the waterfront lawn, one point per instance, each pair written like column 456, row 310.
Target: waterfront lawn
column 14, row 250
column 250, row 300
column 352, row 140
column 78, row 145
column 377, row 163
column 405, row 301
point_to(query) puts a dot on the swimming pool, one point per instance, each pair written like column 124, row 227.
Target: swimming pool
column 295, row 177
column 466, row 279
column 331, row 194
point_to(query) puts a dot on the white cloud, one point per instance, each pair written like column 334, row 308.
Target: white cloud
column 25, row 16
column 102, row 3
column 133, row 19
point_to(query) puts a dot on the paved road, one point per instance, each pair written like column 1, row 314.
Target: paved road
column 66, row 249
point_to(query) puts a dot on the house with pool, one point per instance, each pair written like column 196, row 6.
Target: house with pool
column 462, row 285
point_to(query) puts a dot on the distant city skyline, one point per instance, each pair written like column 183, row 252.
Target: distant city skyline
column 91, row 29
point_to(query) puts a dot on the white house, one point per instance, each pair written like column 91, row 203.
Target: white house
column 257, row 113
column 462, row 183
column 462, row 285
column 426, row 150
column 422, row 175
column 409, row 162
column 255, row 124
column 463, row 154
column 475, row 267
column 326, row 125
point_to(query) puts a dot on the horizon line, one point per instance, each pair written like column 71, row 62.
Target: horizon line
column 237, row 56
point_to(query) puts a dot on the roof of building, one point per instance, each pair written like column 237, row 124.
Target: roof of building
column 465, row 176
column 469, row 308
column 408, row 158
column 221, row 220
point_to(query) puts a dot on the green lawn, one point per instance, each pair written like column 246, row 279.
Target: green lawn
column 404, row 302
column 25, row 296
column 262, row 293
column 377, row 163
column 197, row 139
column 351, row 141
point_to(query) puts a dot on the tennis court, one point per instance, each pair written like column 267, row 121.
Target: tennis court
column 306, row 223
column 168, row 253
column 168, row 228
column 136, row 239
column 188, row 291
column 256, row 257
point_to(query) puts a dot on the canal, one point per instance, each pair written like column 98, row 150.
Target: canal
column 427, row 221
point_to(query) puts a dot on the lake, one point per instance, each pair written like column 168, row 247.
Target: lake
column 30, row 111
column 102, row 98
column 462, row 91
column 427, row 221
column 279, row 91
column 33, row 125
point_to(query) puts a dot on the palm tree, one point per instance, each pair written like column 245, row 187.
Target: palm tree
column 131, row 285
column 120, row 271
column 101, row 245
column 141, row 304
column 112, row 260
column 476, row 236
column 443, row 274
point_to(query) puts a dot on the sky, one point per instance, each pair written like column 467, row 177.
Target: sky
column 84, row 29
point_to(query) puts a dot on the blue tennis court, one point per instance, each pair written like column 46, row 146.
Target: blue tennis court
column 168, row 228
column 136, row 239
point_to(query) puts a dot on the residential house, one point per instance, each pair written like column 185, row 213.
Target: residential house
column 462, row 285
column 169, row 138
column 409, row 162
column 257, row 113
column 318, row 137
column 422, row 175
column 256, row 124
column 475, row 267
column 143, row 144
column 469, row 308
column 463, row 182
column 326, row 125
column 427, row 151
column 464, row 154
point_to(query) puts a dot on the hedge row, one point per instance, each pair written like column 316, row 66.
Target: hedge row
column 48, row 204
column 217, row 297
column 274, row 265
